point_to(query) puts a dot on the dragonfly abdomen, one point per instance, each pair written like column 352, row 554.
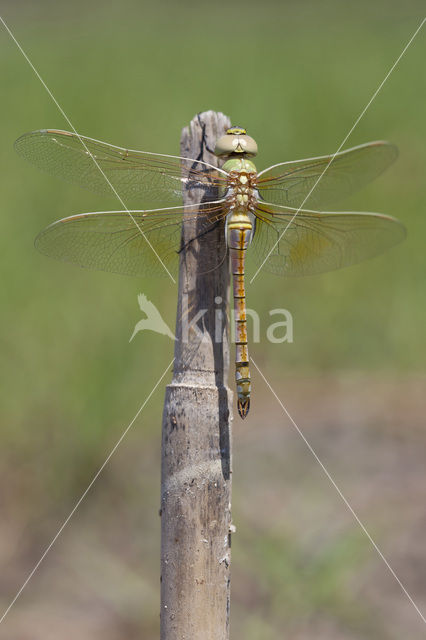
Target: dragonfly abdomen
column 239, row 235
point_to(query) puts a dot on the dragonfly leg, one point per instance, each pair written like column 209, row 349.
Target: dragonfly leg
column 185, row 246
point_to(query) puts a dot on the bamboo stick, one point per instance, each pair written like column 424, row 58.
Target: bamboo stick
column 196, row 436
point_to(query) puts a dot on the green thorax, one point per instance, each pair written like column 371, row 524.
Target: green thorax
column 240, row 164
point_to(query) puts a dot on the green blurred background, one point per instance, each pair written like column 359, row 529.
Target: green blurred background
column 297, row 75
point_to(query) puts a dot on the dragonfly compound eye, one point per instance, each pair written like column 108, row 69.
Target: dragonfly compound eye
column 235, row 142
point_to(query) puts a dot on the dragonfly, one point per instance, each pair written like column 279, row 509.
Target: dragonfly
column 274, row 217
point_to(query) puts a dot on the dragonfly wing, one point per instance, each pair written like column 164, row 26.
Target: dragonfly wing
column 318, row 182
column 131, row 175
column 132, row 243
column 313, row 242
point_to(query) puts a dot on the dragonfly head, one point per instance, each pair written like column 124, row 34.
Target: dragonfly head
column 235, row 142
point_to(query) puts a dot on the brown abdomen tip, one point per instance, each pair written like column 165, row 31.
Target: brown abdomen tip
column 243, row 407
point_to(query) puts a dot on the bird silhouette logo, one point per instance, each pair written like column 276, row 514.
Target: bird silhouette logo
column 153, row 320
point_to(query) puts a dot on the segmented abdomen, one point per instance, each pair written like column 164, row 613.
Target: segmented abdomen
column 239, row 234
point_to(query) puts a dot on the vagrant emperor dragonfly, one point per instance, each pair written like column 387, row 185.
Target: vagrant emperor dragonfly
column 260, row 212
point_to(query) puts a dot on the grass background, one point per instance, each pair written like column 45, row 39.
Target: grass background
column 296, row 75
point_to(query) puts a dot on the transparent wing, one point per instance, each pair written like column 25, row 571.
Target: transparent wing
column 145, row 243
column 315, row 242
column 289, row 183
column 135, row 175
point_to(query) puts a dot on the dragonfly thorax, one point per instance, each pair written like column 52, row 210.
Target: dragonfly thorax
column 241, row 200
column 239, row 163
column 241, row 193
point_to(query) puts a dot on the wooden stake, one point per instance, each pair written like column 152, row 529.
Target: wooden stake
column 196, row 437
